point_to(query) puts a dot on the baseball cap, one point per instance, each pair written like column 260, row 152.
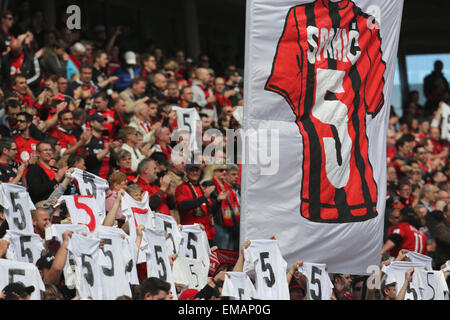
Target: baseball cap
column 130, row 57
column 45, row 262
column 188, row 294
column 97, row 117
column 17, row 288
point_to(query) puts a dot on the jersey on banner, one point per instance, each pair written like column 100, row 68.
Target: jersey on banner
column 22, row 272
column 265, row 258
column 324, row 83
column 18, row 206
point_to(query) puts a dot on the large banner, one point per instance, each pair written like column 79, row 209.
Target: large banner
column 318, row 78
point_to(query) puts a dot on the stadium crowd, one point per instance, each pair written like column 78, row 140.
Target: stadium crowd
column 72, row 99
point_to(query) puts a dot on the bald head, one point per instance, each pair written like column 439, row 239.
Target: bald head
column 15, row 46
column 160, row 81
column 202, row 75
column 141, row 110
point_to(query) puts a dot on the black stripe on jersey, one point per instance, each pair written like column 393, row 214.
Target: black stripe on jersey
column 335, row 24
column 315, row 151
column 340, row 196
column 359, row 160
column 334, row 206
column 300, row 65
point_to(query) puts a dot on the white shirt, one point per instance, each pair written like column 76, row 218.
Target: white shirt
column 319, row 285
column 238, row 286
column 194, row 244
column 445, row 127
column 57, row 230
column 158, row 264
column 420, row 258
column 84, row 210
column 24, row 272
column 264, row 256
column 26, row 247
column 113, row 275
column 395, row 272
column 136, row 213
column 432, row 285
column 86, row 256
column 18, row 205
column 189, row 273
column 189, row 120
column 168, row 224
column 90, row 184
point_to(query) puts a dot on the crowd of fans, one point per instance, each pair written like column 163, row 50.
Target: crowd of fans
column 71, row 100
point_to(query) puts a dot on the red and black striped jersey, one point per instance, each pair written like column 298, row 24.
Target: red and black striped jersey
column 328, row 66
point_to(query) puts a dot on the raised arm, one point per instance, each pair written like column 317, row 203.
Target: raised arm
column 239, row 266
column 111, row 216
column 408, row 278
column 53, row 276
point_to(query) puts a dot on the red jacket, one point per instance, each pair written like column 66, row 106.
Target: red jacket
column 199, row 214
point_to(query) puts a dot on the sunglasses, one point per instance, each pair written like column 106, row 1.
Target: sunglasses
column 22, row 121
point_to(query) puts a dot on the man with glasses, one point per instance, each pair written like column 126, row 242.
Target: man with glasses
column 420, row 155
column 41, row 177
column 10, row 171
column 26, row 144
column 404, row 193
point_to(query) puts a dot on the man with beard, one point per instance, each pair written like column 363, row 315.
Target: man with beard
column 64, row 132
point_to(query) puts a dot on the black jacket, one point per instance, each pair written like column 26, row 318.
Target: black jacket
column 40, row 187
column 30, row 69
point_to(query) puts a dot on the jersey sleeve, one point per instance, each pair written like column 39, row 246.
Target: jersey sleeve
column 286, row 74
column 373, row 95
